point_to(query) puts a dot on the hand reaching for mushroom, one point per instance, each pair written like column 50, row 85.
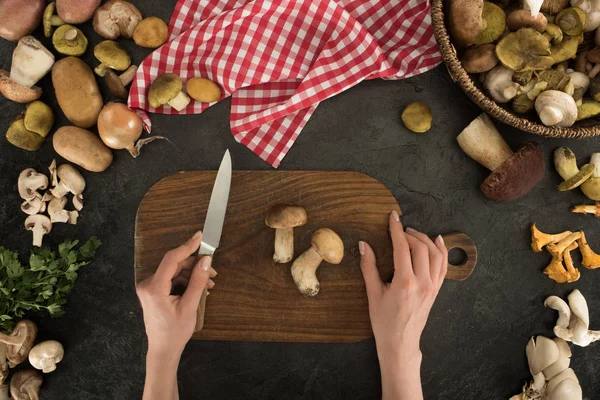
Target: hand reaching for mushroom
column 399, row 310
column 170, row 319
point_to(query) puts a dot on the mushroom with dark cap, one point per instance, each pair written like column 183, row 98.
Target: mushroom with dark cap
column 479, row 59
column 284, row 218
column 18, row 18
column 151, row 32
column 513, row 174
column 111, row 56
column 523, row 19
column 40, row 225
column 69, row 40
column 325, row 245
column 117, row 84
column 70, row 181
column 50, row 20
column 76, row 11
column 46, row 355
column 168, row 89
column 19, row 342
column 30, row 62
column 25, row 385
column 116, row 18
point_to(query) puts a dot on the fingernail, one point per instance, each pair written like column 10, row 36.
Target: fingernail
column 441, row 239
column 205, row 263
column 197, row 235
column 214, row 271
column 211, row 284
column 410, row 230
column 361, row 248
column 395, row 215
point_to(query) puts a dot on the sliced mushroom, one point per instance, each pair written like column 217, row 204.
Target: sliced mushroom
column 34, row 206
column 19, row 342
column 70, row 181
column 325, row 245
column 284, row 218
column 116, row 18
column 30, row 181
column 40, row 225
column 56, row 205
column 25, row 385
column 78, row 202
column 168, row 89
column 53, row 176
column 46, row 355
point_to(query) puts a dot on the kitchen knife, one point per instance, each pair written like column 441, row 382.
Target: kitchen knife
column 213, row 225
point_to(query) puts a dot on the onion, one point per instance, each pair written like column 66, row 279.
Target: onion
column 120, row 128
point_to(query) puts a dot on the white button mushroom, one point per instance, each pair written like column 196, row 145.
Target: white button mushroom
column 29, row 182
column 70, row 181
column 499, row 84
column 40, row 225
column 592, row 10
column 556, row 108
column 284, row 218
column 46, row 355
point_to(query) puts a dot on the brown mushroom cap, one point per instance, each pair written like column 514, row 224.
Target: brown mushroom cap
column 523, row 19
column 465, row 20
column 116, row 18
column 25, row 384
column 26, row 331
column 282, row 216
column 480, row 58
column 329, row 245
column 76, row 11
column 151, row 32
column 18, row 18
column 516, row 176
column 15, row 92
column 553, row 7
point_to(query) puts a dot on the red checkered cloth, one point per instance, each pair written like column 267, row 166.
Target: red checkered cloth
column 279, row 59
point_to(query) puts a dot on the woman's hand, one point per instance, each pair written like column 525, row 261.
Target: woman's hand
column 399, row 310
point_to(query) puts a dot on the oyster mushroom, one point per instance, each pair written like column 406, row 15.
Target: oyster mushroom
column 18, row 18
column 524, row 50
column 69, row 40
column 46, row 355
column 30, row 62
column 50, row 20
column 327, row 246
column 416, row 117
column 151, row 32
column 30, row 181
column 116, row 18
column 479, row 59
column 556, row 108
column 499, row 84
column 564, row 314
column 25, row 385
column 591, row 187
column 168, row 89
column 111, row 56
column 40, row 225
column 589, row 259
column 117, row 84
column 572, row 21
column 513, row 174
column 540, row 239
column 76, row 11
column 493, row 23
column 284, row 218
column 465, row 21
column 524, row 19
column 19, row 342
column 541, row 353
column 580, row 321
column 70, row 181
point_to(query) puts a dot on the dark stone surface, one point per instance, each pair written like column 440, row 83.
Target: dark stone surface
column 474, row 342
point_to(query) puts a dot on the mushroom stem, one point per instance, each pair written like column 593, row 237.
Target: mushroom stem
column 11, row 340
column 33, row 393
column 127, row 76
column 551, row 115
column 4, row 392
column 101, row 69
column 38, row 235
column 135, row 149
column 180, row 101
column 71, row 37
column 481, row 141
column 304, row 272
column 284, row 245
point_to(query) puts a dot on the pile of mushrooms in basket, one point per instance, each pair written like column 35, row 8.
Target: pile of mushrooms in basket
column 534, row 56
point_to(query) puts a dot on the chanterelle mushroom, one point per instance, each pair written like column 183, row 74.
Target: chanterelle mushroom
column 587, row 209
column 540, row 239
column 284, row 218
column 19, row 342
column 70, row 181
column 325, row 245
column 116, row 18
column 40, row 225
column 30, row 62
column 590, row 259
column 513, row 174
column 46, row 355
column 168, row 89
column 25, row 385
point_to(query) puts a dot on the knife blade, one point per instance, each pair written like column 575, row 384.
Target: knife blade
column 213, row 225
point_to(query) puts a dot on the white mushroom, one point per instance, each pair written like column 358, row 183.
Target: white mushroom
column 556, row 108
column 29, row 182
column 499, row 84
column 563, row 362
column 34, row 206
column 78, row 202
column 561, row 329
column 592, row 10
column 581, row 83
column 56, row 205
column 73, row 215
column 566, row 375
column 53, row 177
column 46, row 355
column 70, row 181
column 40, row 225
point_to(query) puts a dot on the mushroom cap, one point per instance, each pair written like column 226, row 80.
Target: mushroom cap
column 329, row 245
column 27, row 331
column 524, row 50
column 516, row 176
column 572, row 21
column 46, row 355
column 47, row 18
column 151, row 32
column 494, row 23
column 62, row 43
column 38, row 118
column 76, row 11
column 553, row 7
column 29, row 181
column 523, row 19
column 479, row 59
column 282, row 216
column 19, row 136
column 203, row 90
column 34, row 220
column 71, row 178
column 15, row 92
column 25, row 381
column 417, row 117
column 593, row 55
column 164, row 89
column 116, row 18
column 113, row 55
column 19, row 18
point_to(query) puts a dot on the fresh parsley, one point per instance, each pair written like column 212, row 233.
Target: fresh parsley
column 43, row 284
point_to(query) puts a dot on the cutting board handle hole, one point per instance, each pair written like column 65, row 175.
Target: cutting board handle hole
column 457, row 257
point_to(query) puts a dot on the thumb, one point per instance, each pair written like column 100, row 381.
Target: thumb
column 197, row 283
column 368, row 265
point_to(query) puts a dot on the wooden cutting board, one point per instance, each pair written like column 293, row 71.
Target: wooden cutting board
column 255, row 299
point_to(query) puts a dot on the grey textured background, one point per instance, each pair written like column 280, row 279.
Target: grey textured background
column 474, row 342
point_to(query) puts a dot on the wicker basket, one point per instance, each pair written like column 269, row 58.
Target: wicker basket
column 460, row 76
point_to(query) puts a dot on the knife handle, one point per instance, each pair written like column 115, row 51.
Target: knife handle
column 202, row 304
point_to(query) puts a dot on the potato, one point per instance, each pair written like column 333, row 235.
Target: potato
column 77, row 91
column 82, row 147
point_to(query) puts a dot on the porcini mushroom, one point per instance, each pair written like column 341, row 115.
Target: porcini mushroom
column 30, row 62
column 556, row 108
column 513, row 174
column 111, row 56
column 116, row 18
column 25, row 384
column 284, row 218
column 499, row 84
column 69, row 40
column 523, row 19
column 19, row 342
column 18, row 18
column 76, row 11
column 540, row 239
column 493, row 23
column 591, row 187
column 325, row 245
column 34, row 206
column 117, row 84
column 587, row 209
column 590, row 259
column 50, row 20
column 46, row 355
column 40, row 225
column 168, row 89
column 151, row 32
column 465, row 21
column 70, row 181
column 30, row 181
column 479, row 59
